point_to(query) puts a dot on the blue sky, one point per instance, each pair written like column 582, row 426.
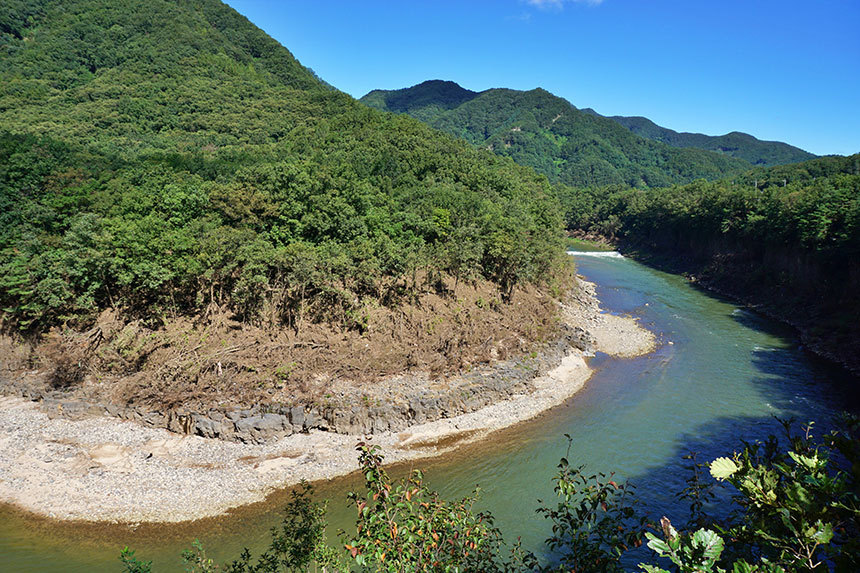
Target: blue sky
column 782, row 70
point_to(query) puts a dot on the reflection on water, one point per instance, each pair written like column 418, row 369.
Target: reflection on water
column 719, row 373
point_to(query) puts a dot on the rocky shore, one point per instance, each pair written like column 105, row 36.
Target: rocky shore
column 73, row 460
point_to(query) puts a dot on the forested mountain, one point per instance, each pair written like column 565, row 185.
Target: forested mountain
column 168, row 158
column 546, row 132
column 812, row 206
column 735, row 144
column 784, row 237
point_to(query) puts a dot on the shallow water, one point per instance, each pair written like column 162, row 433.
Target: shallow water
column 720, row 373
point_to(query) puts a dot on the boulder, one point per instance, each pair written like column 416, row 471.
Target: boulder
column 298, row 418
column 205, row 427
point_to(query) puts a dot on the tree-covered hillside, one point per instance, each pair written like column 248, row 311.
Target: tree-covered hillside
column 433, row 97
column 540, row 130
column 812, row 206
column 170, row 154
column 734, row 144
column 786, row 238
column 173, row 180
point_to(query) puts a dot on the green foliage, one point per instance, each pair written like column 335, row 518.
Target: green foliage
column 794, row 512
column 297, row 546
column 163, row 157
column 540, row 130
column 723, row 468
column 132, row 564
column 406, row 527
column 809, row 206
column 195, row 559
column 794, row 509
column 594, row 522
column 735, row 144
column 698, row 552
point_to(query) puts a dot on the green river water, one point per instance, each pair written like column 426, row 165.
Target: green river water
column 720, row 373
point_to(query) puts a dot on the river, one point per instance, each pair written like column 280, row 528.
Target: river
column 720, row 373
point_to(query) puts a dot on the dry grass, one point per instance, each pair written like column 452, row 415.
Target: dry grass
column 198, row 363
column 15, row 355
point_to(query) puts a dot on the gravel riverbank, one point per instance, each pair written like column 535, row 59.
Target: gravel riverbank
column 106, row 469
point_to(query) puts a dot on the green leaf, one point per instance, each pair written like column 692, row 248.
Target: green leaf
column 809, row 463
column 824, row 533
column 657, row 544
column 711, row 543
column 651, row 568
column 723, row 468
column 799, row 495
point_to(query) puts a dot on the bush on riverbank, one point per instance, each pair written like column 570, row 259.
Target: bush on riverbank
column 796, row 508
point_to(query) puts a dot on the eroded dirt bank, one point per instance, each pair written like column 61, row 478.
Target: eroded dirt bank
column 105, row 469
column 448, row 353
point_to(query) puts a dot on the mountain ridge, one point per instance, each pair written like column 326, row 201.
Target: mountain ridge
column 738, row 144
column 548, row 133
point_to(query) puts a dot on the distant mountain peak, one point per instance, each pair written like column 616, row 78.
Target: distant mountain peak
column 441, row 93
column 446, row 84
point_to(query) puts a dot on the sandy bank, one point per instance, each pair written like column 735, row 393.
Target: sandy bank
column 105, row 469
